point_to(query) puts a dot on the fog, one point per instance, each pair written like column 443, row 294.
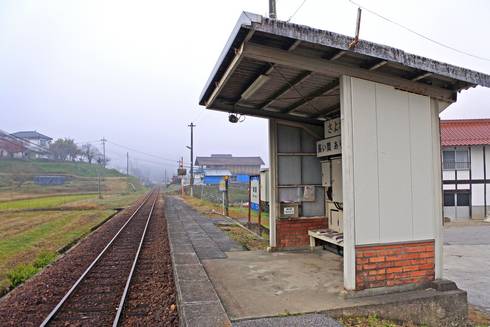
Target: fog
column 132, row 71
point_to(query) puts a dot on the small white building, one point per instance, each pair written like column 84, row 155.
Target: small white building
column 465, row 168
column 35, row 142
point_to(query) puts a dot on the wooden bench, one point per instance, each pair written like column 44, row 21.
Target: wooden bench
column 326, row 235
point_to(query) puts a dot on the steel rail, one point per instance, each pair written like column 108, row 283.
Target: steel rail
column 135, row 261
column 89, row 268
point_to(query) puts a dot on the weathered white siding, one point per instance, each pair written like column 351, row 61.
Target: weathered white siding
column 476, row 162
column 393, row 162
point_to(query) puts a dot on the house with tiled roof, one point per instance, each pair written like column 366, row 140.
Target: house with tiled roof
column 240, row 168
column 465, row 146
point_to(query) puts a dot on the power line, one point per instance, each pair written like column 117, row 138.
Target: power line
column 419, row 34
column 141, row 152
column 296, row 11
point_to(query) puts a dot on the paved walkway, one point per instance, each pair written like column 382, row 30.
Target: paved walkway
column 193, row 238
column 467, row 261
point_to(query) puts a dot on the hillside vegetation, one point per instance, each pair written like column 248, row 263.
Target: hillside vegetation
column 17, row 179
column 39, row 167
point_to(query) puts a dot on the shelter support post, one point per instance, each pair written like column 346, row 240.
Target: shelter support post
column 273, row 193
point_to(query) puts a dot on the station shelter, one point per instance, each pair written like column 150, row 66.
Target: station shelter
column 354, row 143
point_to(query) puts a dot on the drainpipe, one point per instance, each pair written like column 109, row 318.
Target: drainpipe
column 484, row 183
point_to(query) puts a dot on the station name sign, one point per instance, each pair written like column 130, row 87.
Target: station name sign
column 331, row 145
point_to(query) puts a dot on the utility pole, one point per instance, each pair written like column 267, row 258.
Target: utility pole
column 192, row 158
column 98, row 183
column 272, row 9
column 182, row 177
column 127, row 164
column 165, row 179
column 127, row 169
column 103, row 140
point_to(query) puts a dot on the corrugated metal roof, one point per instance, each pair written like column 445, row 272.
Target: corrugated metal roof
column 31, row 135
column 465, row 132
column 229, row 160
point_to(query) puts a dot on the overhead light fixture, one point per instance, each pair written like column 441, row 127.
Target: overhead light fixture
column 232, row 118
column 257, row 84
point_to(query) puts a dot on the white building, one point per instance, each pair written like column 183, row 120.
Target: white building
column 466, row 168
column 35, row 142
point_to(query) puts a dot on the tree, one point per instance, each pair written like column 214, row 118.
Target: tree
column 90, row 152
column 63, row 149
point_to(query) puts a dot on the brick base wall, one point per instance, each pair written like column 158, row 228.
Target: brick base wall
column 293, row 232
column 394, row 264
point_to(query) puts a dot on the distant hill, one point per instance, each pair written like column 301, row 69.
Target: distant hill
column 39, row 167
column 17, row 179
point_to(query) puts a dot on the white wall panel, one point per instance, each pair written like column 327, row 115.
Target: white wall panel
column 477, row 195
column 477, row 162
column 393, row 163
column 423, row 198
column 394, row 172
column 365, row 149
column 448, row 175
column 463, row 174
column 488, row 198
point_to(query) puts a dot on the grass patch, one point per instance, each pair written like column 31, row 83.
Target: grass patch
column 31, row 238
column 44, row 202
column 478, row 317
column 82, row 169
column 371, row 321
column 20, row 274
column 23, row 271
column 244, row 237
column 44, row 259
column 206, row 207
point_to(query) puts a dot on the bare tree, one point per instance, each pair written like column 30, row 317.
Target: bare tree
column 90, row 152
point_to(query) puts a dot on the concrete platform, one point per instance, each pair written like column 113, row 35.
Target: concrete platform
column 219, row 284
column 258, row 284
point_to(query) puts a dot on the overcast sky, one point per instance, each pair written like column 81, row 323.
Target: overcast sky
column 132, row 71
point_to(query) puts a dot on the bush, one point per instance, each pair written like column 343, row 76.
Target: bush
column 21, row 273
column 44, row 259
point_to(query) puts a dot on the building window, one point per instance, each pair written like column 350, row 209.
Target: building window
column 457, row 198
column 463, row 199
column 449, row 199
column 455, row 159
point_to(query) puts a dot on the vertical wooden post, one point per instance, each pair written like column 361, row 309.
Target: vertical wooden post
column 260, row 207
column 249, row 199
column 227, row 213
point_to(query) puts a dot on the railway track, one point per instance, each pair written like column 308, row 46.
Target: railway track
column 98, row 297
